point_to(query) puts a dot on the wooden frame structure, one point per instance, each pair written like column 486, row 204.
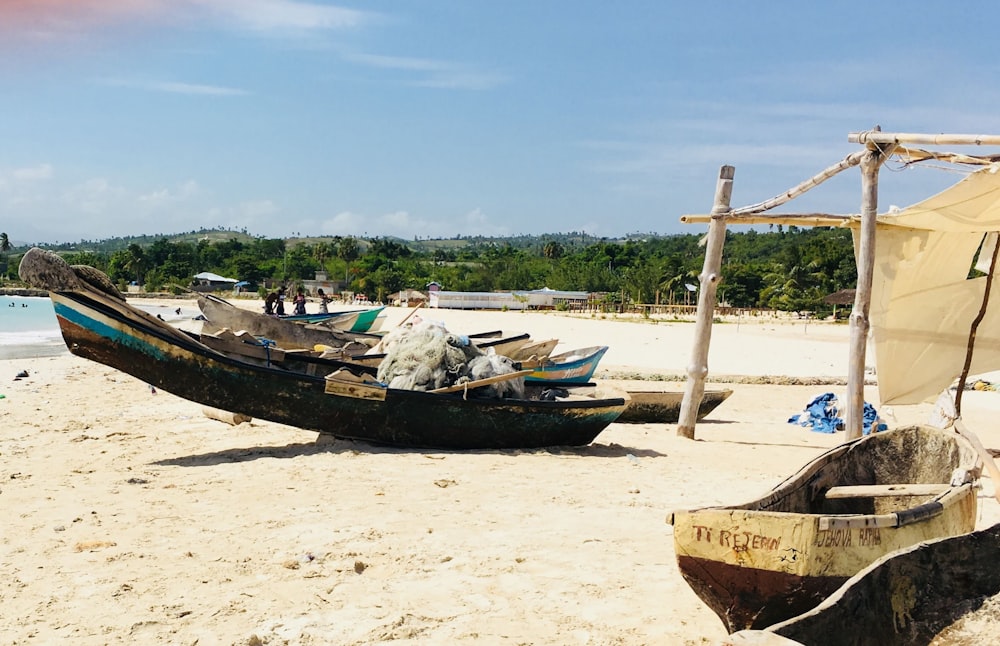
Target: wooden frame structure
column 879, row 146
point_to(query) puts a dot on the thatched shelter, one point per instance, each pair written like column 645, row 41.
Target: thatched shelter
column 843, row 297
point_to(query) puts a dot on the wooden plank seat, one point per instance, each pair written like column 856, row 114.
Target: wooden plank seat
column 878, row 491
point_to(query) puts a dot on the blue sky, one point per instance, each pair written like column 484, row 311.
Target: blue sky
column 445, row 117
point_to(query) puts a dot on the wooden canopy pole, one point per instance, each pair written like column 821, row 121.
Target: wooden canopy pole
column 876, row 136
column 709, row 283
column 793, row 219
column 870, row 162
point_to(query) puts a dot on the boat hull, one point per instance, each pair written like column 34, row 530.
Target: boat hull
column 106, row 332
column 911, row 596
column 664, row 407
column 365, row 319
column 766, row 561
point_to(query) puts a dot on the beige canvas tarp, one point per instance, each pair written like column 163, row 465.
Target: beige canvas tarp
column 923, row 303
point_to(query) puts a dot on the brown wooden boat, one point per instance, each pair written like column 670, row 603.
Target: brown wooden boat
column 664, row 406
column 776, row 557
column 220, row 314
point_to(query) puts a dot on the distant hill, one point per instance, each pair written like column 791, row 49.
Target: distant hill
column 569, row 241
column 122, row 242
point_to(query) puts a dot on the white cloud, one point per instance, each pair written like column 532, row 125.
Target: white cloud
column 397, row 62
column 254, row 209
column 432, row 73
column 193, row 88
column 462, row 80
column 42, row 171
column 174, row 87
column 165, row 196
column 345, row 223
column 403, row 224
column 95, row 196
column 285, row 15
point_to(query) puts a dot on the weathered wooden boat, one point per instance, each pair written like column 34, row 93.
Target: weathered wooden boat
column 318, row 317
column 501, row 346
column 98, row 324
column 220, row 314
column 664, row 406
column 343, row 321
column 773, row 558
column 348, row 320
column 534, row 349
column 922, row 594
column 245, row 347
column 574, row 367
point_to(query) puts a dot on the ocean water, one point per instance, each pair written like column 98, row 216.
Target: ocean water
column 28, row 328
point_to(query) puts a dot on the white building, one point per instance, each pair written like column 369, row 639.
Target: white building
column 520, row 300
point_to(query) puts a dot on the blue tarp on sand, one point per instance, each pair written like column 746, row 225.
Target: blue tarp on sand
column 822, row 414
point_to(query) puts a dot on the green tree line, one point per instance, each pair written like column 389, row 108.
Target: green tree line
column 791, row 270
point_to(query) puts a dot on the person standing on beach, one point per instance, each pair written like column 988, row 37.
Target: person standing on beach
column 300, row 303
column 274, row 303
column 324, row 300
column 269, row 302
column 279, row 307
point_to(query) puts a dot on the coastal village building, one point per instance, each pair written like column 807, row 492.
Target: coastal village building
column 408, row 297
column 537, row 299
column 206, row 281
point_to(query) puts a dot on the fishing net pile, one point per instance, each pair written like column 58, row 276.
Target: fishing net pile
column 426, row 356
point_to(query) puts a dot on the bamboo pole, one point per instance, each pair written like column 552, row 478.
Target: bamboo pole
column 851, row 160
column 879, row 137
column 709, row 279
column 870, row 162
column 793, row 219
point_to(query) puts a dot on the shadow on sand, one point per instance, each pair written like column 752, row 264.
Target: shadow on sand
column 330, row 445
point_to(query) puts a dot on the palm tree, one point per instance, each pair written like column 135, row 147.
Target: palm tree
column 552, row 250
column 348, row 251
column 135, row 261
column 320, row 251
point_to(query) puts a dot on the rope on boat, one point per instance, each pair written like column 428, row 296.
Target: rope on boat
column 267, row 344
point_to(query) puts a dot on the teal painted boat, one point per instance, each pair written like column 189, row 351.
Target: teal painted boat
column 575, row 367
column 365, row 319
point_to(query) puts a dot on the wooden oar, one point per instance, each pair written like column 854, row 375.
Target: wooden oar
column 469, row 385
column 412, row 312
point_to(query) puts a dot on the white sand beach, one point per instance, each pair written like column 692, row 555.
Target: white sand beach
column 129, row 517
